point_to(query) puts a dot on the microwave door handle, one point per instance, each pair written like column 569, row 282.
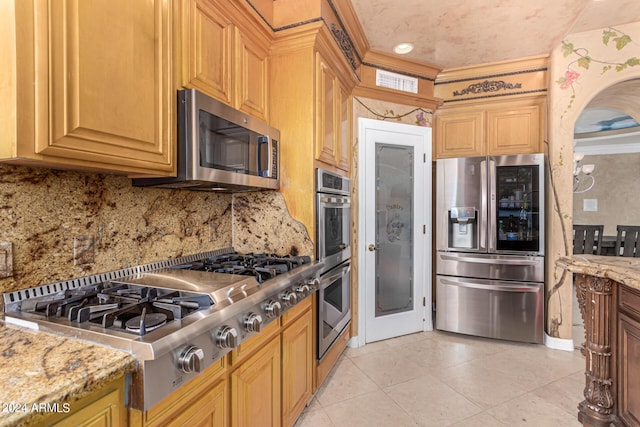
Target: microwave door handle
column 262, row 140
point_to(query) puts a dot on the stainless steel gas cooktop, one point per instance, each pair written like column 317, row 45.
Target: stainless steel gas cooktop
column 176, row 316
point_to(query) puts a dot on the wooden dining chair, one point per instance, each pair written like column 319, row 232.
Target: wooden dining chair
column 587, row 239
column 627, row 240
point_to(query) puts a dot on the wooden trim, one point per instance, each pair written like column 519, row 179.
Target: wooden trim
column 331, row 357
column 400, row 64
column 390, row 95
column 351, row 23
column 493, row 69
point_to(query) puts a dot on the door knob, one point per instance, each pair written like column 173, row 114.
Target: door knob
column 373, row 248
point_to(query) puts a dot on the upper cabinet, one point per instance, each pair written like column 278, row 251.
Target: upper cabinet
column 222, row 59
column 311, row 84
column 492, row 109
column 90, row 85
column 507, row 127
column 333, row 118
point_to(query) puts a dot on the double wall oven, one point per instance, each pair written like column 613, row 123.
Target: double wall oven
column 333, row 215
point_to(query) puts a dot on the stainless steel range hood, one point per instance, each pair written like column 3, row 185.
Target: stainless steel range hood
column 220, row 149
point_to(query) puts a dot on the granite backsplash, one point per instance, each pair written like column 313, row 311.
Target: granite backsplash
column 65, row 224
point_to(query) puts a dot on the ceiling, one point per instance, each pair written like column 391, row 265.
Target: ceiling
column 458, row 33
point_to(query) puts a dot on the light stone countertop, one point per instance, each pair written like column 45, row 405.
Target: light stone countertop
column 39, row 367
column 624, row 270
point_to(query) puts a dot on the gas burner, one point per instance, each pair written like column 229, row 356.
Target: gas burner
column 262, row 266
column 145, row 322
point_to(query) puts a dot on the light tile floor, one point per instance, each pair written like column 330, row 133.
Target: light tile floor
column 444, row 379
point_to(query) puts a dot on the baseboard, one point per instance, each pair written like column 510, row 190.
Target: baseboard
column 558, row 343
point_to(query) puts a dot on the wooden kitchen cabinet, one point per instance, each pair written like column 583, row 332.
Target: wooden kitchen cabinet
column 333, row 118
column 202, row 402
column 255, row 388
column 459, row 133
column 629, row 357
column 93, row 86
column 491, row 128
column 103, row 407
column 221, row 59
column 310, row 102
column 297, row 366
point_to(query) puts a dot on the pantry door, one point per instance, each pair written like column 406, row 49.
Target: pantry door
column 395, row 217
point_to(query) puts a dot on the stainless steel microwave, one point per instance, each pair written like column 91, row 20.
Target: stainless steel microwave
column 220, row 148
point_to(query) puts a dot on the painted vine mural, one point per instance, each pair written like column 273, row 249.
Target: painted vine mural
column 610, row 38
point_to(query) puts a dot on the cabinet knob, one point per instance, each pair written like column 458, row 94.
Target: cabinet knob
column 190, row 359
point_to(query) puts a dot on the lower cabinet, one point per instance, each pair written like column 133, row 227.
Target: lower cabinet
column 201, row 402
column 297, row 367
column 208, row 410
column 629, row 357
column 266, row 381
column 104, row 407
column 255, row 388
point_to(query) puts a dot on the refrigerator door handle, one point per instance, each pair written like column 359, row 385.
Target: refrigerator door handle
column 516, row 287
column 498, row 261
column 483, row 205
column 492, row 206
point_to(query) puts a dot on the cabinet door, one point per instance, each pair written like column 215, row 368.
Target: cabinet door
column 459, row 134
column 208, row 411
column 106, row 410
column 326, row 147
column 345, row 109
column 629, row 370
column 297, row 367
column 252, row 75
column 104, row 96
column 515, row 130
column 255, row 389
column 206, row 49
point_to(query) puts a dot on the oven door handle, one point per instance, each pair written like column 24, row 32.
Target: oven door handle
column 328, row 280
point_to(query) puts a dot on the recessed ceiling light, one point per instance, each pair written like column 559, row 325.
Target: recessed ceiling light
column 403, row 48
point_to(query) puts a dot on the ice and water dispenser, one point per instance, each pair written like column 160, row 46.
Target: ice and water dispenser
column 463, row 228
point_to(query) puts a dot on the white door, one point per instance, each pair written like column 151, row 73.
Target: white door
column 395, row 216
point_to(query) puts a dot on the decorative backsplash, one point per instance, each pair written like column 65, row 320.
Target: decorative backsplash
column 64, row 224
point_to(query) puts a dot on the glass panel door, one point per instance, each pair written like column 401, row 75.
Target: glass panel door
column 518, row 208
column 394, row 229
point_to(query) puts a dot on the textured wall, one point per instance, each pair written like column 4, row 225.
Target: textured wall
column 41, row 210
column 575, row 80
column 616, row 190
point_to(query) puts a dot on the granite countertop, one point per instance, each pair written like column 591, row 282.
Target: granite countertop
column 39, row 367
column 621, row 269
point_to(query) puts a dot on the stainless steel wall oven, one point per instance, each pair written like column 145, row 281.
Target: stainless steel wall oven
column 333, row 228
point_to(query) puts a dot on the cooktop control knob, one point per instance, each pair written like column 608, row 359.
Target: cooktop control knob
column 226, row 337
column 253, row 322
column 313, row 284
column 190, row 359
column 273, row 309
column 303, row 290
column 290, row 298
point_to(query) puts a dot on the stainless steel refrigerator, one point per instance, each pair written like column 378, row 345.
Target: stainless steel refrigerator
column 490, row 246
